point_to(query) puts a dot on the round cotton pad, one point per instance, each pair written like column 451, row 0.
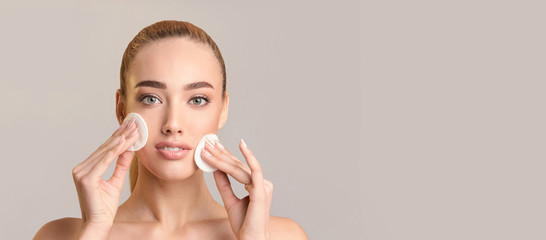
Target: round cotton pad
column 198, row 160
column 142, row 131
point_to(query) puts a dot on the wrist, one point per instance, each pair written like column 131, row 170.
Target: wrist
column 94, row 231
column 254, row 238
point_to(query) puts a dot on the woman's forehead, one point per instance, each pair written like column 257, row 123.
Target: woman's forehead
column 176, row 62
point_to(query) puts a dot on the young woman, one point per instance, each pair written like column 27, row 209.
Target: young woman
column 173, row 75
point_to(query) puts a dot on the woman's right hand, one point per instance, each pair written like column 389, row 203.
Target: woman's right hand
column 99, row 199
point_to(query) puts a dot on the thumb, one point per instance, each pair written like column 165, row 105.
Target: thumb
column 224, row 187
column 122, row 167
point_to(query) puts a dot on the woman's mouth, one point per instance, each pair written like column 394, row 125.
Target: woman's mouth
column 173, row 153
column 173, row 150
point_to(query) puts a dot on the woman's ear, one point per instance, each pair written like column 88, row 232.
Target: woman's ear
column 224, row 113
column 120, row 107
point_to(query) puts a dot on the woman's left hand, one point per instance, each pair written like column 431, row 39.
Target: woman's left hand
column 249, row 216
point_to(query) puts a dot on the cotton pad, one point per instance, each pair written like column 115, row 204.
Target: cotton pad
column 142, row 131
column 198, row 160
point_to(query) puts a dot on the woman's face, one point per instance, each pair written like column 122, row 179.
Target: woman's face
column 176, row 86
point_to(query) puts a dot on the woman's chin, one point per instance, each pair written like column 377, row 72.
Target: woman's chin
column 174, row 171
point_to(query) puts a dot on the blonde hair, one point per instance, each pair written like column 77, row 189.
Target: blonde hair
column 158, row 31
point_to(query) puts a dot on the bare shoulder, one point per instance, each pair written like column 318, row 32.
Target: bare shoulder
column 286, row 228
column 64, row 228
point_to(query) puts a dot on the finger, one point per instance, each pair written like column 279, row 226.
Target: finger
column 268, row 186
column 102, row 163
column 118, row 145
column 227, row 164
column 128, row 132
column 229, row 156
column 269, row 192
column 224, row 187
column 255, row 168
column 87, row 166
column 125, row 129
column 226, row 155
column 123, row 126
column 122, row 167
column 235, row 171
column 98, row 166
column 258, row 197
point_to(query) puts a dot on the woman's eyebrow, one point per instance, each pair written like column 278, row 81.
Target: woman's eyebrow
column 151, row 83
column 195, row 85
column 189, row 86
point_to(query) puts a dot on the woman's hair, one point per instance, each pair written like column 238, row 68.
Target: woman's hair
column 158, row 31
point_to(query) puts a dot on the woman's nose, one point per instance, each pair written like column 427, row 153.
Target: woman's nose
column 172, row 124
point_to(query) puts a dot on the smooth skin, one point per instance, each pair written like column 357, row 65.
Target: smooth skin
column 171, row 199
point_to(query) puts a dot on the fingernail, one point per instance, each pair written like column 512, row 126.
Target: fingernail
column 210, row 143
column 220, row 145
column 130, row 127
column 207, row 152
column 123, row 125
column 244, row 144
column 134, row 132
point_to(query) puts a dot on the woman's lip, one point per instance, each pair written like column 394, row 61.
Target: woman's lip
column 173, row 155
column 173, row 144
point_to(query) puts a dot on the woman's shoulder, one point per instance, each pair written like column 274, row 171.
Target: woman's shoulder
column 286, row 228
column 64, row 228
column 68, row 228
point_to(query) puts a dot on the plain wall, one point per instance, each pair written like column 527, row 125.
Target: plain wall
column 374, row 119
column 453, row 120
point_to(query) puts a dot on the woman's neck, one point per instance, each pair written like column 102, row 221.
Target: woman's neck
column 171, row 204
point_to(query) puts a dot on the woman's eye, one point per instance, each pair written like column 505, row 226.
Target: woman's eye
column 148, row 99
column 199, row 101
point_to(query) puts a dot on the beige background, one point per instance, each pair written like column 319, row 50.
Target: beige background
column 375, row 119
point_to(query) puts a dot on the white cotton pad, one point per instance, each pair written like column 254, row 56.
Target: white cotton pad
column 197, row 157
column 142, row 131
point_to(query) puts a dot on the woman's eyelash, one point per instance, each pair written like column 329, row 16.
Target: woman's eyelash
column 144, row 96
column 207, row 100
column 141, row 98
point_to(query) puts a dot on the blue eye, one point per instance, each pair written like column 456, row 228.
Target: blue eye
column 200, row 101
column 149, row 99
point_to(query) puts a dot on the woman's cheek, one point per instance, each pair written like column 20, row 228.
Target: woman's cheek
column 206, row 122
